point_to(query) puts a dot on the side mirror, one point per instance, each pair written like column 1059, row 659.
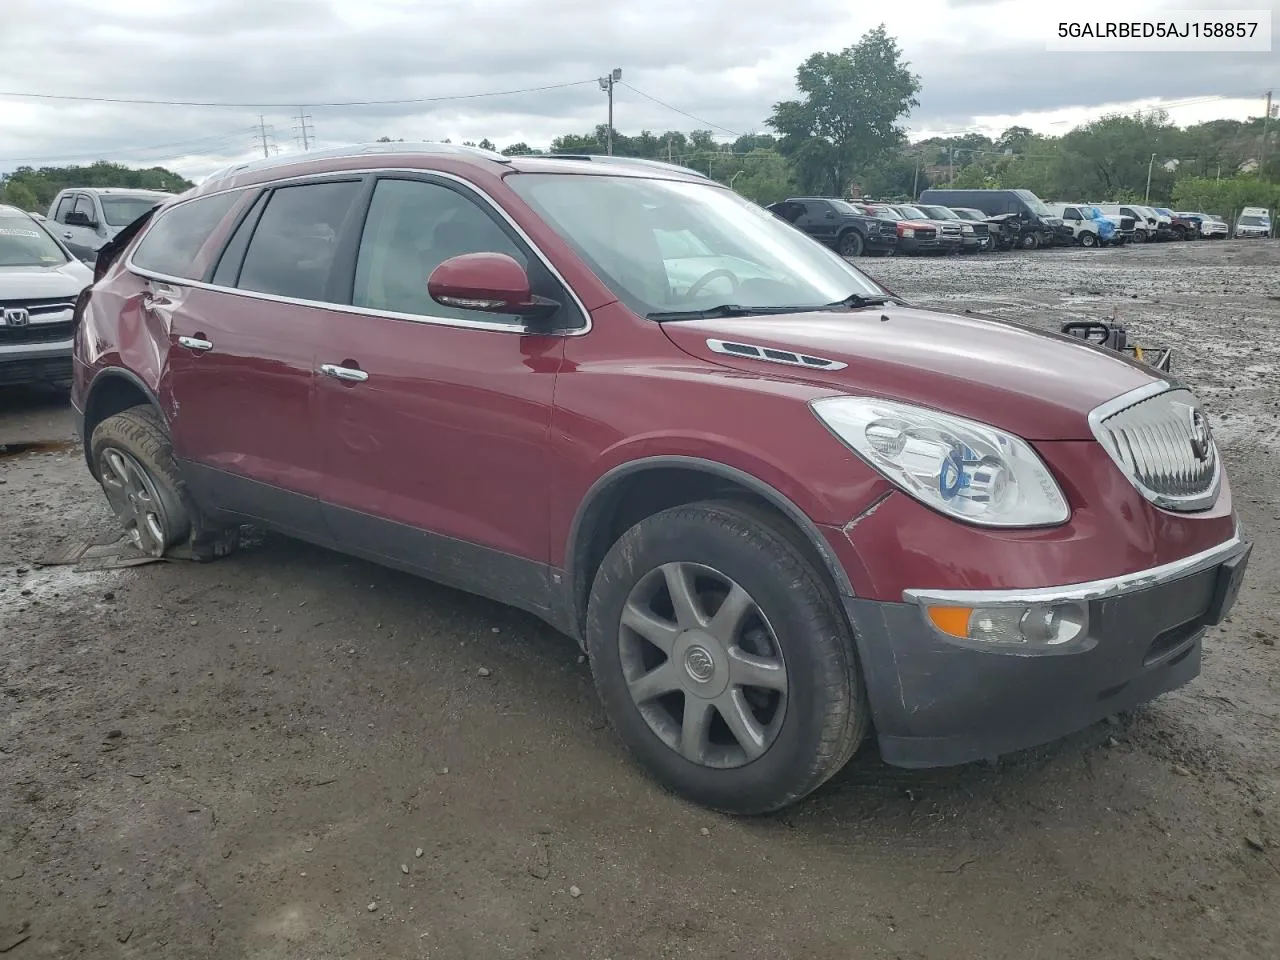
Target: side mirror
column 489, row 283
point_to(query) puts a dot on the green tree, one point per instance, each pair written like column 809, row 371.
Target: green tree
column 848, row 115
column 520, row 149
column 43, row 184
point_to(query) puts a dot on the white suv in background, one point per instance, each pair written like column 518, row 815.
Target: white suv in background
column 39, row 282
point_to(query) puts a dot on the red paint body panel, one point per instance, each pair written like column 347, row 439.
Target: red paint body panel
column 626, row 393
column 448, row 434
column 1038, row 386
column 244, row 407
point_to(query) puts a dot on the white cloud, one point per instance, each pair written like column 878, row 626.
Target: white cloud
column 982, row 62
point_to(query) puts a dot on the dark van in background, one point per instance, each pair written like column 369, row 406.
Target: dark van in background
column 1037, row 226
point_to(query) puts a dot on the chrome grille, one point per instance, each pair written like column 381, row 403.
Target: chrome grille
column 1161, row 441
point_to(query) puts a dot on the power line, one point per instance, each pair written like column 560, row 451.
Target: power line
column 208, row 139
column 663, row 103
column 291, row 106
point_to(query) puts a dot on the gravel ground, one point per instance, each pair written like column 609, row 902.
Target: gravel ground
column 290, row 754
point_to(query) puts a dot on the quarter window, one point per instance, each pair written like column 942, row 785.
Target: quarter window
column 412, row 227
column 291, row 253
column 176, row 236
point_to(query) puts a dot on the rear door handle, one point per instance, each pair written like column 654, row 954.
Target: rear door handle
column 339, row 372
column 195, row 343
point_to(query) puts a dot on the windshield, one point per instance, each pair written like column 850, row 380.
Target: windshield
column 844, row 206
column 885, row 213
column 1034, row 203
column 966, row 213
column 1251, row 221
column 121, row 211
column 1093, row 213
column 23, row 243
column 912, row 213
column 666, row 246
column 941, row 213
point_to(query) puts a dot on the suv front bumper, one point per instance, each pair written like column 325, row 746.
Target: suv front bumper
column 937, row 703
column 22, row 363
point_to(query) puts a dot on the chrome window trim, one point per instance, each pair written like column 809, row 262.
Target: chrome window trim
column 487, row 325
column 1097, row 419
column 1091, row 590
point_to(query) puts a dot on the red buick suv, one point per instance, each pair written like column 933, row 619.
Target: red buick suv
column 777, row 506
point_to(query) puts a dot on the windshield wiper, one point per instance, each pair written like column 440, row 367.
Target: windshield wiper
column 857, row 300
column 723, row 310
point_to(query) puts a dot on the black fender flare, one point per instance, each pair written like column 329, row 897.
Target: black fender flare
column 583, row 521
column 102, row 376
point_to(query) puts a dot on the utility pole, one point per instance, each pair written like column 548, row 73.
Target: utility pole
column 262, row 134
column 304, row 134
column 951, row 165
column 1150, row 164
column 915, row 181
column 606, row 84
column 1266, row 119
column 669, row 148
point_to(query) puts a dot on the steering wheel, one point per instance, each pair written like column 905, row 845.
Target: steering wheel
column 696, row 287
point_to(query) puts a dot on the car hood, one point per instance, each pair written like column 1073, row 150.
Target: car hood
column 1040, row 386
column 67, row 279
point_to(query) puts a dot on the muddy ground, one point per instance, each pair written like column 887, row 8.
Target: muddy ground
column 289, row 754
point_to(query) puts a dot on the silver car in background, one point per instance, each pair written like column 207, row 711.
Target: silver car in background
column 40, row 280
column 85, row 218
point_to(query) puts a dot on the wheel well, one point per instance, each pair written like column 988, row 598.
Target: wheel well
column 112, row 394
column 632, row 498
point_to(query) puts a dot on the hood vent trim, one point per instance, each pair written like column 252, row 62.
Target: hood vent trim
column 788, row 358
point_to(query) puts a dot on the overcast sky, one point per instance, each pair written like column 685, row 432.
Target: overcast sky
column 982, row 63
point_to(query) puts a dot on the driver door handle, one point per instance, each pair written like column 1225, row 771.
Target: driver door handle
column 339, row 372
column 195, row 343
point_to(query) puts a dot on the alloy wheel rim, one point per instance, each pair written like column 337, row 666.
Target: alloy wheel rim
column 702, row 665
column 135, row 500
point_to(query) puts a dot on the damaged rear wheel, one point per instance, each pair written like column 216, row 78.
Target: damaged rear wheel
column 133, row 459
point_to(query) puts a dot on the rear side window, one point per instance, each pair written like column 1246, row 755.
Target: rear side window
column 171, row 245
column 294, row 243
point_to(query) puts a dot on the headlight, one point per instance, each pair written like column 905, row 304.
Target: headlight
column 908, row 232
column 968, row 470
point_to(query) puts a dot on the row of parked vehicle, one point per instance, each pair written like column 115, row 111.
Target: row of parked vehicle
column 970, row 221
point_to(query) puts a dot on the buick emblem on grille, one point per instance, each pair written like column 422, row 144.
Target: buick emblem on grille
column 16, row 317
column 1201, row 440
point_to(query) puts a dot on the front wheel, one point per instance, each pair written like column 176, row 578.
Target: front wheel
column 1029, row 241
column 1088, row 239
column 851, row 244
column 723, row 659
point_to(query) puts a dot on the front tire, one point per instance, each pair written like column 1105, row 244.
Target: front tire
column 851, row 244
column 1029, row 242
column 1088, row 239
column 723, row 659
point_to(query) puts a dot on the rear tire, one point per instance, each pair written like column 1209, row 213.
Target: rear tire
column 681, row 694
column 133, row 459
